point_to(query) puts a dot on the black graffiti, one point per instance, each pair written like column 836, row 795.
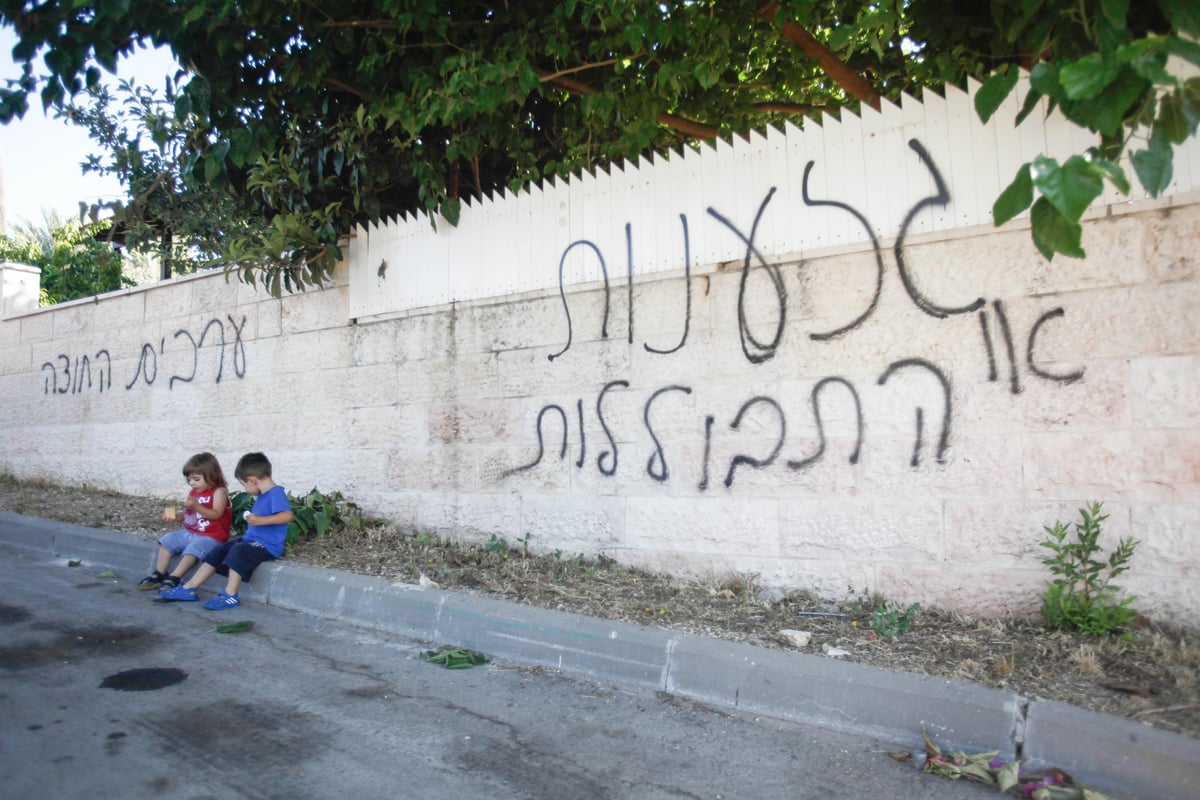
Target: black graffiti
column 808, row 201
column 1014, row 378
column 757, row 463
column 944, row 440
column 238, row 349
column 687, row 283
column 657, row 464
column 147, row 361
column 762, row 350
column 940, row 199
column 663, row 472
column 604, row 424
column 1069, row 377
column 541, row 443
column 563, row 292
column 816, row 406
column 75, row 376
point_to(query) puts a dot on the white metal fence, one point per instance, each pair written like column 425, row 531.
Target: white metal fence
column 833, row 183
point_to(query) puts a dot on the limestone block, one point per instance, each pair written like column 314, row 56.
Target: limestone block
column 398, row 508
column 707, row 526
column 1116, row 255
column 527, row 323
column 15, row 359
column 518, row 469
column 427, row 335
column 863, row 529
column 386, row 426
column 1170, row 242
column 74, row 320
column 979, row 590
column 481, row 422
column 312, row 352
column 1146, row 320
column 662, row 313
column 214, row 295
column 578, row 524
column 1068, row 464
column 374, row 343
column 1167, row 542
column 315, row 309
column 171, row 300
column 442, row 469
column 120, row 311
column 470, row 518
column 1165, row 392
column 1175, row 602
column 33, row 327
column 972, row 465
column 1007, row 533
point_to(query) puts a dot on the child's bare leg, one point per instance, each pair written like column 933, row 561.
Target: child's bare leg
column 187, row 562
column 233, row 584
column 205, row 572
column 162, row 560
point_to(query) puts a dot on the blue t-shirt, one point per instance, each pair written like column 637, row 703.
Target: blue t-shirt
column 272, row 537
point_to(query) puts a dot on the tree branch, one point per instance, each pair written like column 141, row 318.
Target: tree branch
column 854, row 84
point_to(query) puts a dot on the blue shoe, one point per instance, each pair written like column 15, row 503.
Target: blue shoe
column 222, row 601
column 178, row 593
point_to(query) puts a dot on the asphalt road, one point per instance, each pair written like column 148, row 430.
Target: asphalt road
column 305, row 708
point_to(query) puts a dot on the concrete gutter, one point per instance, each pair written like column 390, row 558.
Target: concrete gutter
column 1109, row 754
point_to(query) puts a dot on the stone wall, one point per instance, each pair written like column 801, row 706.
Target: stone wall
column 918, row 453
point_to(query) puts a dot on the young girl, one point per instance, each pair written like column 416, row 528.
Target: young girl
column 207, row 517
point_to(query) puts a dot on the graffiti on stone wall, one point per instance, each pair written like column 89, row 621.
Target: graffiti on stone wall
column 67, row 375
column 758, row 349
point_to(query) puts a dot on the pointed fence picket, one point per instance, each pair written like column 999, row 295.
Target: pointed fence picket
column 865, row 177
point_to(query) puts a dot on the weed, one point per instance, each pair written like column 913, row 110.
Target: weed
column 497, row 544
column 888, row 620
column 313, row 514
column 1083, row 597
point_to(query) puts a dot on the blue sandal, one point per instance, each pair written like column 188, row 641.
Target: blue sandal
column 178, row 593
column 222, row 601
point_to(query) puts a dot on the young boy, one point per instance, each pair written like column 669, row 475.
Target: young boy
column 266, row 533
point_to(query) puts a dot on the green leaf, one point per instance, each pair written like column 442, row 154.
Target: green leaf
column 1171, row 119
column 1015, row 198
column 1106, row 111
column 1044, row 79
column 994, row 91
column 1183, row 14
column 1108, row 169
column 1088, row 76
column 1054, row 233
column 1070, row 187
column 1031, row 102
column 1154, row 165
column 1185, row 49
column 234, row 627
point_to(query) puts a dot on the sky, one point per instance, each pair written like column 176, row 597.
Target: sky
column 41, row 156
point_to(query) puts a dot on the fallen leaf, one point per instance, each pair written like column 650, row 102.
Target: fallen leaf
column 234, row 627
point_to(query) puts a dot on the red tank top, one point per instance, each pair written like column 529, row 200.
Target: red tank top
column 213, row 528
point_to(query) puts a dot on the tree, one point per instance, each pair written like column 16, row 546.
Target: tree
column 73, row 261
column 312, row 118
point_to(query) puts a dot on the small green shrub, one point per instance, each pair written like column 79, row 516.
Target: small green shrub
column 313, row 514
column 497, row 544
column 887, row 619
column 1083, row 597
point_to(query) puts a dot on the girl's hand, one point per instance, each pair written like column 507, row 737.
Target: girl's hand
column 191, row 503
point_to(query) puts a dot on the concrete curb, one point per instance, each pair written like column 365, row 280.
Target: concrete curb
column 1109, row 754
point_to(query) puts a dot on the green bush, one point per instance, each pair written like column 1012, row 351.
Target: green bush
column 1083, row 597
column 313, row 514
column 888, row 620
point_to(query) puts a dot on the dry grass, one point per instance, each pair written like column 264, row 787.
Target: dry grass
column 1150, row 677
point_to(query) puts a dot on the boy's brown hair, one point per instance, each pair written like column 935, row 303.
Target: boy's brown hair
column 252, row 465
column 207, row 466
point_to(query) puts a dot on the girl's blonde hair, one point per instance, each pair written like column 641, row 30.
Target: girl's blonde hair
column 207, row 466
